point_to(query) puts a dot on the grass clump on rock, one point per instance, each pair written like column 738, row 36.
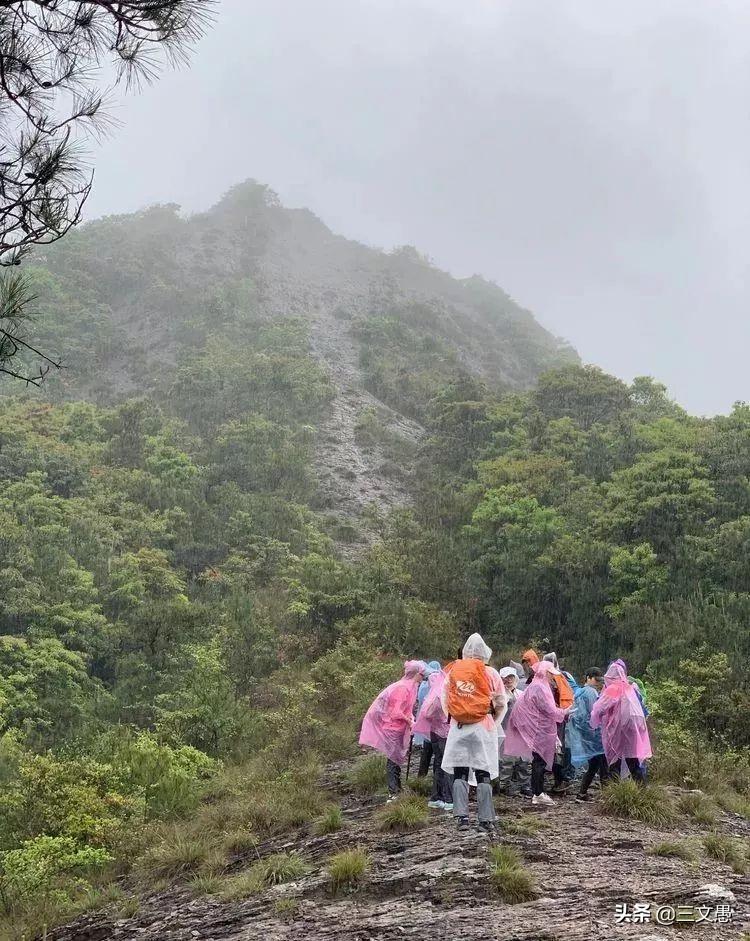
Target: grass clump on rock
column 698, row 806
column 726, row 850
column 368, row 775
column 406, row 813
column 673, row 849
column 512, row 882
column 650, row 804
column 348, row 868
column 330, row 822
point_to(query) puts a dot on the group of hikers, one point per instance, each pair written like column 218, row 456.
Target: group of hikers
column 478, row 725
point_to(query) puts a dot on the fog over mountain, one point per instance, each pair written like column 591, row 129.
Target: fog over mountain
column 590, row 159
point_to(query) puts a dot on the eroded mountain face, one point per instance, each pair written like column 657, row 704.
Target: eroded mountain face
column 128, row 301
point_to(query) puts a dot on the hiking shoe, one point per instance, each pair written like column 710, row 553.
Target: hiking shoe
column 437, row 805
column 584, row 798
column 448, row 807
column 543, row 799
column 391, row 797
column 463, row 823
column 488, row 827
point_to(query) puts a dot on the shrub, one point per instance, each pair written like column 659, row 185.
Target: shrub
column 347, row 868
column 406, row 813
column 678, row 850
column 331, row 821
column 726, row 850
column 701, row 808
column 509, row 878
column 47, row 871
column 650, row 805
column 368, row 775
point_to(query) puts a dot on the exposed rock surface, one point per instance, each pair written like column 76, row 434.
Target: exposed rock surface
column 141, row 276
column 433, row 883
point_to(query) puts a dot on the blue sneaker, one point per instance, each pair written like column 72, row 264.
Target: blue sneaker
column 437, row 805
column 448, row 807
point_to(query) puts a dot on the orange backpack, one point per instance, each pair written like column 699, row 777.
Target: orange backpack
column 469, row 694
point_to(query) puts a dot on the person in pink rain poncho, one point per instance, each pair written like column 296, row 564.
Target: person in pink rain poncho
column 619, row 714
column 434, row 724
column 387, row 725
column 532, row 727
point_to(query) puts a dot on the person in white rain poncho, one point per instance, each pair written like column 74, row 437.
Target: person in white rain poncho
column 474, row 697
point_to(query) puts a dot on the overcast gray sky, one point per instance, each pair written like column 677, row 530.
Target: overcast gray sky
column 592, row 157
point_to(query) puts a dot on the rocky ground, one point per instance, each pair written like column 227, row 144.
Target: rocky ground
column 433, row 883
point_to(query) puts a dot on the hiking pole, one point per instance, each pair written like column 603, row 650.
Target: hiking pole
column 408, row 760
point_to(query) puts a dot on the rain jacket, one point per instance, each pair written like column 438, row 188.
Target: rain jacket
column 387, row 724
column 424, row 687
column 476, row 745
column 431, row 719
column 619, row 714
column 534, row 720
column 583, row 741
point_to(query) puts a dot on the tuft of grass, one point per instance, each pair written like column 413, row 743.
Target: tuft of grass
column 698, row 806
column 128, row 906
column 331, row 821
column 206, row 884
column 406, row 813
column 368, row 775
column 273, row 870
column 727, row 851
column 734, row 803
column 667, row 848
column 281, row 867
column 649, row 804
column 177, row 853
column 421, row 786
column 527, row 825
column 239, row 841
column 286, row 909
column 512, row 882
column 348, row 868
column 240, row 886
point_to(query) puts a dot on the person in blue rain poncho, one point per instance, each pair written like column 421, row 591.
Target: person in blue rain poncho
column 425, row 758
column 585, row 743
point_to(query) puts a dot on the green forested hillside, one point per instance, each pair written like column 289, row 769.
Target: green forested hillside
column 182, row 639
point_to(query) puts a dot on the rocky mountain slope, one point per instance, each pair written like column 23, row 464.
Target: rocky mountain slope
column 434, row 883
column 125, row 299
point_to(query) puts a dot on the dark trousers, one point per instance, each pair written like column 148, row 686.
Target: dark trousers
column 393, row 777
column 538, row 767
column 442, row 783
column 636, row 772
column 597, row 765
column 425, row 758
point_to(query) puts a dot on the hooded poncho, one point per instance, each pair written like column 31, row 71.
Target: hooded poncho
column 583, row 741
column 387, row 724
column 424, row 687
column 431, row 718
column 534, row 720
column 476, row 746
column 619, row 714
